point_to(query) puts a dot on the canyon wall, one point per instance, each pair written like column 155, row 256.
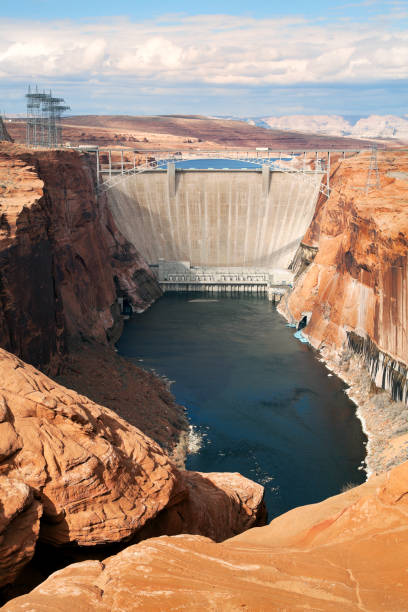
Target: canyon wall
column 356, row 287
column 73, row 472
column 353, row 284
column 216, row 218
column 62, row 260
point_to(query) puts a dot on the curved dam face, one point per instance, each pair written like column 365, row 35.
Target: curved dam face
column 248, row 218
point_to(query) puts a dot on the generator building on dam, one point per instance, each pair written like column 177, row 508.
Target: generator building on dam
column 232, row 229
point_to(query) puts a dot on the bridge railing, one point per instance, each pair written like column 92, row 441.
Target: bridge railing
column 111, row 173
column 116, row 177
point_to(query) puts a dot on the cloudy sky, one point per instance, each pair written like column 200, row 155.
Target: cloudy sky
column 218, row 57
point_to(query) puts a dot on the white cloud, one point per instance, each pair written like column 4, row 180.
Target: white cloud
column 211, row 49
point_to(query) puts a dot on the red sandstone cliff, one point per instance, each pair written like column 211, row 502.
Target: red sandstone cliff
column 358, row 280
column 355, row 291
column 62, row 260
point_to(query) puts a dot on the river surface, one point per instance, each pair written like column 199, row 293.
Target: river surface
column 261, row 403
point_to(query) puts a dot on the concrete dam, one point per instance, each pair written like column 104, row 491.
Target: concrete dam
column 252, row 219
column 247, row 218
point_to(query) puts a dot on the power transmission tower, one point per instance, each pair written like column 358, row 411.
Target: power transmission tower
column 44, row 119
column 373, row 176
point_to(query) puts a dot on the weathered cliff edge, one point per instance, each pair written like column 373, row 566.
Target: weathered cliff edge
column 352, row 287
column 346, row 553
column 63, row 263
column 87, row 477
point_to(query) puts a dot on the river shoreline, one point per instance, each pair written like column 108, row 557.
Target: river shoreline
column 231, row 361
column 139, row 396
column 383, row 421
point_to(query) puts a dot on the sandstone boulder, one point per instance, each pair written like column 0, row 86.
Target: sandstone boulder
column 99, row 479
column 217, row 505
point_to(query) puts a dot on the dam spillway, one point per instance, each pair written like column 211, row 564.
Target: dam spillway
column 252, row 218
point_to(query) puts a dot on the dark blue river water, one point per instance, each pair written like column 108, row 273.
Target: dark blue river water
column 260, row 401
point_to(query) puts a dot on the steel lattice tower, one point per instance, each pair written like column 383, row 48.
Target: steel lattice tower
column 44, row 119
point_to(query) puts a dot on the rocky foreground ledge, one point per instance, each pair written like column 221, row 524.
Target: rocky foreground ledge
column 347, row 553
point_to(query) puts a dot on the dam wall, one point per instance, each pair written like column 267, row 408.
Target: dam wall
column 227, row 218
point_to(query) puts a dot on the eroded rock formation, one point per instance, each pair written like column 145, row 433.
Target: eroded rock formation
column 63, row 262
column 346, row 553
column 216, row 505
column 99, row 479
column 357, row 280
column 355, row 291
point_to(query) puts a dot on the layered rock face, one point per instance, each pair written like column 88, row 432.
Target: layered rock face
column 63, row 261
column 355, row 295
column 98, row 478
column 356, row 288
column 346, row 553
